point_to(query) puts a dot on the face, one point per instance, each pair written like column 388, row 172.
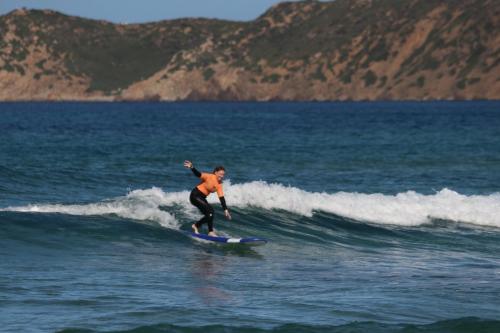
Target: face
column 220, row 175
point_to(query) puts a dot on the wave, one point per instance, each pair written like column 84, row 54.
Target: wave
column 403, row 209
column 143, row 205
column 468, row 324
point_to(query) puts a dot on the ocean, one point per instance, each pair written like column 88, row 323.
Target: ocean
column 379, row 216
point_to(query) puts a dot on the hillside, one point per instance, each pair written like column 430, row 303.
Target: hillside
column 341, row 50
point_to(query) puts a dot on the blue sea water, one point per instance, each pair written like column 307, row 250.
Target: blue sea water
column 381, row 217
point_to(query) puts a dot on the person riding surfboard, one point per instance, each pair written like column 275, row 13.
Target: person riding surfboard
column 210, row 183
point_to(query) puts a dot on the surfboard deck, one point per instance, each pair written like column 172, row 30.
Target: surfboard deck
column 252, row 241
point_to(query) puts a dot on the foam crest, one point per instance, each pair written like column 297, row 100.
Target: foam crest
column 406, row 209
column 141, row 205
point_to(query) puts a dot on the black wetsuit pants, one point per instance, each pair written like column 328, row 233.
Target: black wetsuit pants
column 199, row 200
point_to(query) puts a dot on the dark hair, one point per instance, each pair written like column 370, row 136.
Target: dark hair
column 219, row 168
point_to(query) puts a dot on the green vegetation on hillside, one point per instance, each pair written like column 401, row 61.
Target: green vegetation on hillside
column 348, row 41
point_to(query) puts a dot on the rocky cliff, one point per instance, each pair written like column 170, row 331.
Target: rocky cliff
column 340, row 50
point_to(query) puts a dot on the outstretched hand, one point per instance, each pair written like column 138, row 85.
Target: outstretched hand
column 188, row 164
column 228, row 216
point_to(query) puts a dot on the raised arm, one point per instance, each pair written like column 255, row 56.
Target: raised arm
column 189, row 165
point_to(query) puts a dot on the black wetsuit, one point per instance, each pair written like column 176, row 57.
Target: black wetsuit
column 198, row 199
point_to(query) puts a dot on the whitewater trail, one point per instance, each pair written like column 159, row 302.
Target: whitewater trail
column 404, row 209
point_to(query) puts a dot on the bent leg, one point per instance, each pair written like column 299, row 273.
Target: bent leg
column 206, row 209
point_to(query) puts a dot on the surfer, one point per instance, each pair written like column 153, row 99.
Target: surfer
column 210, row 183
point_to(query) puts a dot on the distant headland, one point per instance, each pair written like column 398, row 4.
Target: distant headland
column 296, row 51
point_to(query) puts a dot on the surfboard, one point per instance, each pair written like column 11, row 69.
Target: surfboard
column 252, row 241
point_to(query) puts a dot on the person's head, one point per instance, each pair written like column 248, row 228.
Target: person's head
column 220, row 172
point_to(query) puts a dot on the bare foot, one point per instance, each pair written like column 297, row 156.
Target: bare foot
column 195, row 229
column 211, row 233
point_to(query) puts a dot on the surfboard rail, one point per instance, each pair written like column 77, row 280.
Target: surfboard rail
column 229, row 240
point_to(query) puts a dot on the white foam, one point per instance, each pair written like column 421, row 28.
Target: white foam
column 407, row 209
column 138, row 205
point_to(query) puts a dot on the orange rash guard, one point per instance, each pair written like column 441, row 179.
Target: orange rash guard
column 210, row 184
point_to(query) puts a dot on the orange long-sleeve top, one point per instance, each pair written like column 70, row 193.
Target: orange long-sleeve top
column 210, row 184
